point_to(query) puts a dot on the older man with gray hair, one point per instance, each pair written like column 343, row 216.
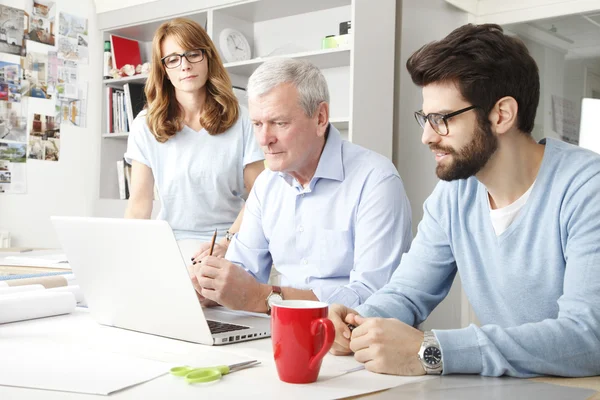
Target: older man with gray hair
column 332, row 216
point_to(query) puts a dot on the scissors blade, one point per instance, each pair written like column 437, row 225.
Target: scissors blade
column 242, row 365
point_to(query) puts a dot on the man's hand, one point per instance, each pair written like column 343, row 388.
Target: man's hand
column 338, row 314
column 219, row 250
column 230, row 285
column 387, row 346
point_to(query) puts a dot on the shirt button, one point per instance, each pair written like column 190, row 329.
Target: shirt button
column 302, row 195
column 304, row 261
column 301, row 229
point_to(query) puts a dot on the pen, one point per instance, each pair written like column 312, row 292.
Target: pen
column 212, row 243
column 351, row 327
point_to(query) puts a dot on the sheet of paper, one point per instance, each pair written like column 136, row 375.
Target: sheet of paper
column 69, row 368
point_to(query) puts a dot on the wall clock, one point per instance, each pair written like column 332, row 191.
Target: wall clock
column 234, row 45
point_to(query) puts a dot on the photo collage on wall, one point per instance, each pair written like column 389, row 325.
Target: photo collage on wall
column 41, row 48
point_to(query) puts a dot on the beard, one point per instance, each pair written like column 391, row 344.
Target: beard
column 469, row 160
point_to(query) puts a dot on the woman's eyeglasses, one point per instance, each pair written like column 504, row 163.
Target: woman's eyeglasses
column 439, row 122
column 174, row 60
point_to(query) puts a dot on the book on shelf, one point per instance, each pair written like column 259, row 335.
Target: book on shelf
column 116, row 115
column 124, row 51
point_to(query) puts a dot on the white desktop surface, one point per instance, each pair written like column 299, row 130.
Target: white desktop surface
column 258, row 382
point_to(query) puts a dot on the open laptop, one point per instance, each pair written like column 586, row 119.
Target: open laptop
column 133, row 276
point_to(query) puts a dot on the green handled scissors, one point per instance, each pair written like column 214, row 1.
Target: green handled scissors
column 209, row 374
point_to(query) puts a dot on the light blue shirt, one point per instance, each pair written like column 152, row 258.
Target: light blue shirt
column 342, row 236
column 535, row 288
column 199, row 177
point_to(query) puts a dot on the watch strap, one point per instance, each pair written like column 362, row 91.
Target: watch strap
column 429, row 340
column 274, row 290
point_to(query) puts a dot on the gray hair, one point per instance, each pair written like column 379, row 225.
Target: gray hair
column 308, row 79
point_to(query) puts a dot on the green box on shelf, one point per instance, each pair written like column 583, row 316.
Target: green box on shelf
column 335, row 41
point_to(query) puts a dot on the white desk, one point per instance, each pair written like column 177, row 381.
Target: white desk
column 261, row 382
column 257, row 382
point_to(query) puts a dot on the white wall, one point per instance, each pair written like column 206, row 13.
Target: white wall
column 551, row 65
column 110, row 5
column 66, row 187
column 420, row 22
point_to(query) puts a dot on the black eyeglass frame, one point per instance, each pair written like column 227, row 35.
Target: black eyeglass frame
column 162, row 60
column 443, row 117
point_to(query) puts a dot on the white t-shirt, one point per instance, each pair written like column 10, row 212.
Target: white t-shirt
column 503, row 217
column 199, row 177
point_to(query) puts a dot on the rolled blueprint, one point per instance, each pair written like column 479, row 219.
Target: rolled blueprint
column 37, row 304
column 48, row 282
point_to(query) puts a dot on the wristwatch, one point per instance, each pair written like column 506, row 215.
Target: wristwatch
column 273, row 297
column 229, row 236
column 430, row 354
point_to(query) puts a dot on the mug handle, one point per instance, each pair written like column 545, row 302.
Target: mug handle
column 329, row 338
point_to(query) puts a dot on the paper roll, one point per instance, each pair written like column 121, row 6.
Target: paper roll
column 37, row 304
column 75, row 289
column 17, row 289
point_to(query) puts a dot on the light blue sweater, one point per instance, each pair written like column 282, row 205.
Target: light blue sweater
column 535, row 288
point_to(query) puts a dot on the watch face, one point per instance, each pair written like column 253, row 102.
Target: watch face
column 432, row 356
column 274, row 298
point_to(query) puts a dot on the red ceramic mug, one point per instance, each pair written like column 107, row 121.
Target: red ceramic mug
column 302, row 335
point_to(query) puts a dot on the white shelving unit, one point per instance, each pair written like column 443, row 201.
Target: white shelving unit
column 360, row 76
column 328, row 58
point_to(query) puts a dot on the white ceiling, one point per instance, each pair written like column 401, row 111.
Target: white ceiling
column 578, row 35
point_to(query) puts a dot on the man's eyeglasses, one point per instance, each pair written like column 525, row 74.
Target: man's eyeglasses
column 439, row 122
column 174, row 60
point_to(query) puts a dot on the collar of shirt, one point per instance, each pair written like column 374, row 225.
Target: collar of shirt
column 330, row 163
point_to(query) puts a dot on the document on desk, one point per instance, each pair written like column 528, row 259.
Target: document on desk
column 42, row 364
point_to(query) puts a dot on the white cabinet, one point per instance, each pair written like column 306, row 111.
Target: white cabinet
column 360, row 75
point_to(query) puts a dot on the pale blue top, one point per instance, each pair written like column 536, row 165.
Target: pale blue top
column 200, row 177
column 342, row 236
column 535, row 288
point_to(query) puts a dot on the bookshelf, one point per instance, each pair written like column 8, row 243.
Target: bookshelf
column 360, row 75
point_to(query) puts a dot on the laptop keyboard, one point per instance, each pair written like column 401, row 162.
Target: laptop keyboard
column 222, row 327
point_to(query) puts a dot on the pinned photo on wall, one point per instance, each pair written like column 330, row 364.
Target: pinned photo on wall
column 73, row 110
column 13, row 121
column 42, row 23
column 73, row 38
column 12, row 30
column 44, row 138
column 68, row 49
column 62, row 76
column 44, row 150
column 10, row 82
column 13, row 174
column 35, row 82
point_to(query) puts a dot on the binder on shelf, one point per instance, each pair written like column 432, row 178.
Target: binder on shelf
column 109, row 110
column 124, row 51
column 135, row 99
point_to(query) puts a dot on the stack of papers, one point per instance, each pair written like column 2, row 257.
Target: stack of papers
column 36, row 258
